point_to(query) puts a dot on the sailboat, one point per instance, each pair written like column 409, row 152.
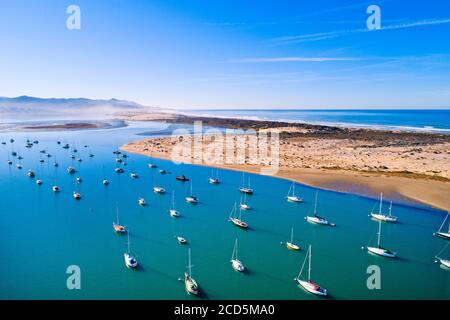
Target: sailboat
column 116, row 225
column 181, row 240
column 173, row 212
column 443, row 234
column 316, row 219
column 142, row 202
column 379, row 250
column 189, row 282
column 76, row 195
column 382, row 217
column 56, row 189
column 237, row 220
column 243, row 205
column 134, row 175
column 105, row 182
column 158, row 189
column 243, row 188
column 130, row 260
column 235, row 262
column 191, row 198
column 31, row 174
column 309, row 285
column 290, row 244
column 292, row 197
column 442, row 261
column 214, row 179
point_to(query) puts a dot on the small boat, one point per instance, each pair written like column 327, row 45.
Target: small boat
column 189, row 282
column 173, row 212
column 379, row 250
column 71, row 170
column 191, row 198
column 119, row 160
column 443, row 262
column 41, row 160
column 49, row 155
column 20, row 158
column 91, row 155
column 14, row 154
column 290, row 244
column 159, row 190
column 11, row 140
column 162, row 171
column 72, row 156
column 124, row 155
column 79, row 159
column 79, row 180
column 9, row 162
column 152, row 165
column 308, row 285
column 134, row 175
column 56, row 189
column 117, row 152
column 58, row 142
column 31, row 174
column 243, row 188
column 119, row 170
column 181, row 178
column 55, row 164
column 105, row 182
column 66, row 146
column 214, row 179
column 39, row 182
column 442, row 234
column 181, row 240
column 316, row 219
column 76, row 195
column 19, row 166
column 383, row 217
column 116, row 225
column 291, row 197
column 243, row 205
column 237, row 221
column 142, row 202
column 130, row 260
column 235, row 262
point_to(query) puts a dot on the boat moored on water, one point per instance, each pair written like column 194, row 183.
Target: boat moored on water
column 76, row 195
column 290, row 244
column 189, row 283
column 291, row 197
column 237, row 220
column 182, row 178
column 191, row 198
column 142, row 202
column 39, row 182
column 315, row 219
column 71, row 170
column 159, row 190
column 56, row 189
column 119, row 170
column 134, row 175
column 173, row 212
column 31, row 174
column 383, row 217
column 181, row 240
column 130, row 260
column 243, row 188
column 379, row 250
column 118, row 228
column 105, row 182
column 308, row 285
column 235, row 262
column 441, row 233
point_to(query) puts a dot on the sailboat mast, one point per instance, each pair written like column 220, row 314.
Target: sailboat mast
column 379, row 233
column 189, row 263
column 128, row 242
column 292, row 235
column 173, row 200
column 117, row 213
column 381, row 201
column 315, row 204
column 390, row 209
column 309, row 267
column 236, row 247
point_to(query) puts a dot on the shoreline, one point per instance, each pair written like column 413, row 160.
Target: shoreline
column 425, row 192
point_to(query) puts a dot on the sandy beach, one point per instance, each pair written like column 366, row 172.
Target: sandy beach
column 407, row 165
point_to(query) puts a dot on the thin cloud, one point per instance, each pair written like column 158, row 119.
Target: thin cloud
column 292, row 59
column 334, row 34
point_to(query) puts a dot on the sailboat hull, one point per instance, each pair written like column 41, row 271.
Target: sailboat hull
column 174, row 213
column 292, row 246
column 237, row 265
column 130, row 262
column 443, row 235
column 384, row 218
column 190, row 285
column 445, row 263
column 294, row 199
column 317, row 220
column 313, row 288
column 381, row 252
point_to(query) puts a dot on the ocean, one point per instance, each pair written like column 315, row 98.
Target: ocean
column 43, row 233
column 413, row 120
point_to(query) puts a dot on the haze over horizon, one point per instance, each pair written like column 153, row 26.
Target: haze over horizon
column 230, row 54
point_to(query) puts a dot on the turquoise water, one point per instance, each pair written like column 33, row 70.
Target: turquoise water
column 43, row 233
column 420, row 120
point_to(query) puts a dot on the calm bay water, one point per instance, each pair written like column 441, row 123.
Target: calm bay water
column 420, row 120
column 43, row 233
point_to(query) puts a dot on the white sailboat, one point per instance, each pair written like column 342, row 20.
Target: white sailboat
column 442, row 234
column 118, row 228
column 316, row 219
column 379, row 250
column 443, row 262
column 290, row 244
column 134, row 175
column 173, row 212
column 237, row 221
column 235, row 262
column 130, row 260
column 292, row 197
column 191, row 198
column 243, row 205
column 383, row 217
column 181, row 240
column 76, row 195
column 56, row 189
column 159, row 190
column 214, row 179
column 243, row 188
column 142, row 202
column 189, row 282
column 308, row 285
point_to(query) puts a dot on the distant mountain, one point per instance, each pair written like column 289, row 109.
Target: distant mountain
column 66, row 107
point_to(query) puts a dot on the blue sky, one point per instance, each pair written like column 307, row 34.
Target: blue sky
column 230, row 54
